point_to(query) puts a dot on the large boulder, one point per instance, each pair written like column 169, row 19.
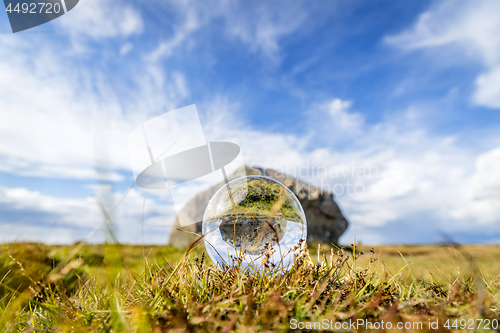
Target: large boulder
column 325, row 222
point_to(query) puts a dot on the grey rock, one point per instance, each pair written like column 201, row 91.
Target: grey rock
column 325, row 222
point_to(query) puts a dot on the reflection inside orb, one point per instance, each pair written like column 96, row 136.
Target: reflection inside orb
column 253, row 218
column 251, row 234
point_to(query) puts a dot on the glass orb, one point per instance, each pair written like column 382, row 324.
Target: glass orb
column 256, row 219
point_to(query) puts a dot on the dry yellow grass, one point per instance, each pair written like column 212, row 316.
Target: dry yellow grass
column 133, row 289
column 439, row 263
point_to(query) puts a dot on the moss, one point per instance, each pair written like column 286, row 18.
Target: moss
column 259, row 197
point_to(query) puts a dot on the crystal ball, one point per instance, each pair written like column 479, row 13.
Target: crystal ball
column 256, row 222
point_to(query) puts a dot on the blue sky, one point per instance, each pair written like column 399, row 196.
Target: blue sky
column 409, row 90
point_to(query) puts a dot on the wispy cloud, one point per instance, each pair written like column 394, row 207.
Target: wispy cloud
column 102, row 20
column 470, row 29
column 259, row 26
column 61, row 118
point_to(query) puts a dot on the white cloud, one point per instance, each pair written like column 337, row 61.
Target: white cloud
column 342, row 119
column 470, row 28
column 60, row 119
column 481, row 201
column 24, row 199
column 487, row 88
column 71, row 219
column 100, row 20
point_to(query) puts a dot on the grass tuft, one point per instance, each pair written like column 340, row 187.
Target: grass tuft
column 117, row 288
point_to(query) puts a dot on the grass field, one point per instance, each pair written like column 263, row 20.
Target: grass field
column 115, row 288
